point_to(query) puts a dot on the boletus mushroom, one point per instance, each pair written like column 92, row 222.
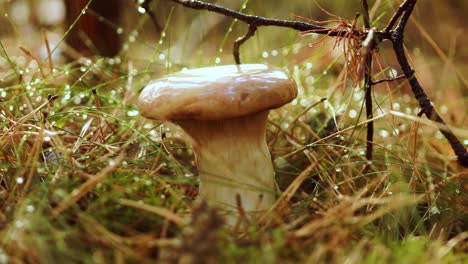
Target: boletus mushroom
column 224, row 112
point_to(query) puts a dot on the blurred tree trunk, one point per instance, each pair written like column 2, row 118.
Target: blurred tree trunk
column 92, row 35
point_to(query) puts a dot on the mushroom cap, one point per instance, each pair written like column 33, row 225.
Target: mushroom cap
column 215, row 93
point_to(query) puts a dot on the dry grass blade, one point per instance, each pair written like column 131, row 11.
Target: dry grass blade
column 86, row 187
column 282, row 202
column 165, row 213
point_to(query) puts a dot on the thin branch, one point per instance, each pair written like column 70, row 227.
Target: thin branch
column 241, row 40
column 369, row 45
column 397, row 15
column 424, row 102
column 263, row 21
column 146, row 5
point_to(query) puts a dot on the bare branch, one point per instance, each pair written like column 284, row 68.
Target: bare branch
column 241, row 40
column 263, row 21
column 424, row 102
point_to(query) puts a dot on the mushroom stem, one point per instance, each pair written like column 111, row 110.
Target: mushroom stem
column 233, row 158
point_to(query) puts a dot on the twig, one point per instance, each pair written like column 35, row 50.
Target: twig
column 424, row 102
column 397, row 15
column 263, row 21
column 241, row 40
column 369, row 46
column 146, row 5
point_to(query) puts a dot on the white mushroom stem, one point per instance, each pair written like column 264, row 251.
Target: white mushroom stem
column 233, row 158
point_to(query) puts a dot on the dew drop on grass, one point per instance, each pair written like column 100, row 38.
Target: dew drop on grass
column 393, row 73
column 119, row 30
column 353, row 113
column 131, row 38
column 83, row 11
column 465, row 142
column 384, row 133
column 3, row 93
column 217, row 60
column 274, row 53
column 30, row 208
column 162, row 56
column 338, row 169
column 396, row 106
column 111, row 162
column 20, row 180
column 265, row 54
column 335, row 187
column 132, row 113
column 82, row 68
column 141, row 10
column 46, row 139
column 443, row 109
column 163, row 196
column 188, row 174
column 19, row 223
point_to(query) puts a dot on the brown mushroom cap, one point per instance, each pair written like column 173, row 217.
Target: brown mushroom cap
column 215, row 93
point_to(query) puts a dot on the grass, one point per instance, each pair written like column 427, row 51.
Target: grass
column 85, row 179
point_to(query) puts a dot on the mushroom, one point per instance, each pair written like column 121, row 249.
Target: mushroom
column 224, row 112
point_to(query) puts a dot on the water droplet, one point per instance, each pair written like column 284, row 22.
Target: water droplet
column 119, row 30
column 141, row 10
column 217, row 60
column 335, row 187
column 132, row 113
column 46, row 139
column 163, row 196
column 443, row 109
column 30, row 208
column 353, row 113
column 393, row 73
column 396, row 106
column 82, row 68
column 274, row 53
column 83, row 11
column 162, row 56
column 338, row 169
column 111, row 162
column 384, row 133
column 309, row 65
column 19, row 223
column 265, row 54
column 20, row 180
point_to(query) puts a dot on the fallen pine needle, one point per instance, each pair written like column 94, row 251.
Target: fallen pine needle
column 169, row 215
